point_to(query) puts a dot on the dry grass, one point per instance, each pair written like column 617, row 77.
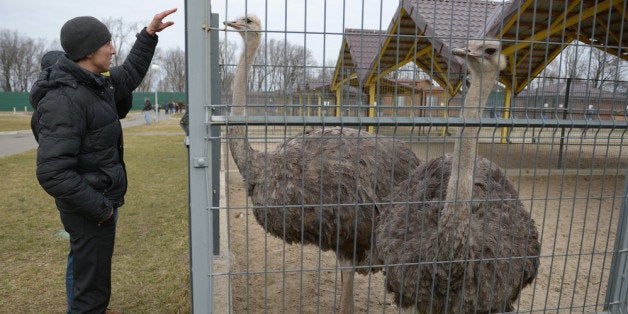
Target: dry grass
column 14, row 122
column 151, row 259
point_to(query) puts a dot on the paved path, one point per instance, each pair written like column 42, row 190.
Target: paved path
column 14, row 142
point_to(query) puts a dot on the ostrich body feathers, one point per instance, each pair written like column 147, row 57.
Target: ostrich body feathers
column 484, row 272
column 321, row 187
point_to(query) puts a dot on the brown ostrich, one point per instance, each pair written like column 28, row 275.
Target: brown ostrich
column 466, row 246
column 319, row 187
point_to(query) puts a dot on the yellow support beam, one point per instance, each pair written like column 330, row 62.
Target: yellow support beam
column 346, row 80
column 411, row 56
column 506, row 114
column 408, row 58
column 309, row 105
column 320, row 103
column 389, row 37
column 523, row 58
column 559, row 25
column 602, row 24
column 371, row 105
column 373, row 79
column 338, row 99
column 618, row 6
column 522, row 84
column 339, row 66
column 514, row 18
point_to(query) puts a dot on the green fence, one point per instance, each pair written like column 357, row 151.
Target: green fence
column 13, row 100
column 18, row 101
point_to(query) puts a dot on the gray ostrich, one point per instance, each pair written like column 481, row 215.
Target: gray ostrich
column 468, row 246
column 319, row 187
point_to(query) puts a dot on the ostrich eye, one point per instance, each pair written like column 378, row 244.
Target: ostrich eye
column 248, row 21
column 490, row 51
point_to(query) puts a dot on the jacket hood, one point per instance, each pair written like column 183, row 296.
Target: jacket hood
column 47, row 81
column 50, row 58
column 63, row 72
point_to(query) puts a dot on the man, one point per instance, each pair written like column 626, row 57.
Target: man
column 80, row 156
column 123, row 105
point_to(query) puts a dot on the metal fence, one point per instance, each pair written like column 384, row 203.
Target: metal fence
column 264, row 235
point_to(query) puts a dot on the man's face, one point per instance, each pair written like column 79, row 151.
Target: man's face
column 100, row 60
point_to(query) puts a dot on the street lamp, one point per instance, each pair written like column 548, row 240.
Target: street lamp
column 157, row 69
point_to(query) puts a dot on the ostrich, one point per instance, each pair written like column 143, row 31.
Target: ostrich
column 319, row 187
column 466, row 246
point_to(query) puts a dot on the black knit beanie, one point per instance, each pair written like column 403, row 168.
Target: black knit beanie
column 83, row 35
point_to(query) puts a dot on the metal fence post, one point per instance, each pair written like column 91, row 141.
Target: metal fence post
column 617, row 290
column 559, row 164
column 200, row 220
column 214, row 130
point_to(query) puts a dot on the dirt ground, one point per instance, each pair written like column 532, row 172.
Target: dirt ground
column 575, row 212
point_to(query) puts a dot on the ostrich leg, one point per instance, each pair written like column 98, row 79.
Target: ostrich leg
column 347, row 276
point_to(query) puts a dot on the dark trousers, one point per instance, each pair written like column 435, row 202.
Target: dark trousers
column 92, row 247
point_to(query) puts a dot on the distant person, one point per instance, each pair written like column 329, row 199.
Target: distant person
column 147, row 109
column 80, row 154
column 185, row 125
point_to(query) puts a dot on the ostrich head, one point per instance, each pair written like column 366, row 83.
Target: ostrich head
column 248, row 26
column 482, row 55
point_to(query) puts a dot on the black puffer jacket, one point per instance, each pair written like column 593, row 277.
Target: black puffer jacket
column 80, row 156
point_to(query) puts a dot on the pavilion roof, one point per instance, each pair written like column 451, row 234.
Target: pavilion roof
column 532, row 32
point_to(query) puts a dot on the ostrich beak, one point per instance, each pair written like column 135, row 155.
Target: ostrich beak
column 464, row 52
column 234, row 24
column 459, row 52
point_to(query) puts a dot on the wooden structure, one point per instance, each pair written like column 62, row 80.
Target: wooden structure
column 532, row 33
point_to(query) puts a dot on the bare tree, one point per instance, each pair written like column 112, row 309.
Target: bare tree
column 27, row 69
column 152, row 77
column 281, row 66
column 604, row 69
column 168, row 70
column 9, row 42
column 579, row 60
column 264, row 72
column 408, row 71
column 19, row 61
column 122, row 37
column 326, row 73
column 172, row 63
column 298, row 67
column 227, row 64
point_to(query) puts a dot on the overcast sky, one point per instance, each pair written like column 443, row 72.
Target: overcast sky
column 44, row 18
column 323, row 20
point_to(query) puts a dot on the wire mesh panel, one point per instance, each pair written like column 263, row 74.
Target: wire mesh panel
column 437, row 156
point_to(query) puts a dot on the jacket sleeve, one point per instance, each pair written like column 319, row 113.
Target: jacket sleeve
column 128, row 76
column 61, row 127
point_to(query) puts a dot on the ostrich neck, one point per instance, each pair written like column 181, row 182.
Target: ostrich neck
column 239, row 81
column 245, row 157
column 460, row 183
column 465, row 146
